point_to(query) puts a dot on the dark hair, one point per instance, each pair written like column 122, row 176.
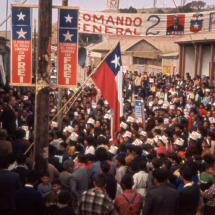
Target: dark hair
column 56, row 181
column 130, row 148
column 58, row 134
column 45, row 174
column 156, row 162
column 159, row 119
column 134, row 166
column 122, row 147
column 20, row 158
column 64, row 197
column 137, row 149
column 167, row 164
column 157, row 131
column 151, row 113
column 150, row 156
column 18, row 134
column 51, row 134
column 82, row 158
column 173, row 156
column 101, row 154
column 121, row 159
column 4, row 161
column 100, row 180
column 53, row 209
column 105, row 166
column 208, row 159
column 78, row 147
column 180, row 126
column 64, row 144
column 142, row 165
column 186, row 173
column 161, row 155
column 32, row 177
column 161, row 174
column 127, row 181
column 177, row 133
column 209, row 165
column 135, row 126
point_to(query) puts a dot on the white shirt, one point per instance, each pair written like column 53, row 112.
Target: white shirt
column 90, row 149
column 129, row 87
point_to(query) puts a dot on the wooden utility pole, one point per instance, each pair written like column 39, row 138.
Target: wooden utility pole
column 59, row 103
column 41, row 127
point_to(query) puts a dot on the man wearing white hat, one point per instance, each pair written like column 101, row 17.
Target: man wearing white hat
column 193, row 148
column 90, row 125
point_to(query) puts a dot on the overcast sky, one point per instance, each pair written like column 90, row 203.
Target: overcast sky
column 94, row 5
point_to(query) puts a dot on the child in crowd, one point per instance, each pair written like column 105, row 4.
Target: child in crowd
column 63, row 149
column 53, row 196
column 45, row 188
column 64, row 198
column 121, row 168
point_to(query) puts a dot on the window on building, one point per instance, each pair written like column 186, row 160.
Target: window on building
column 138, row 60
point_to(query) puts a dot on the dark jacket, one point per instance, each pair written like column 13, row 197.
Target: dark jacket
column 163, row 201
column 179, row 28
column 198, row 122
column 111, row 186
column 68, row 121
column 139, row 158
column 29, row 202
column 9, row 184
column 18, row 146
column 23, row 172
column 188, row 200
column 150, row 125
column 8, row 120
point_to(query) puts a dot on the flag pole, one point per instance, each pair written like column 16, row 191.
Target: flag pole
column 85, row 82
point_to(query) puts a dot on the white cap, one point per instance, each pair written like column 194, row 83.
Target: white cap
column 53, row 110
column 150, row 104
column 107, row 116
column 25, row 128
column 164, row 106
column 91, row 121
column 149, row 141
column 207, row 90
column 143, row 133
column 75, row 113
column 156, row 138
column 163, row 139
column 73, row 136
column 137, row 142
column 166, row 121
column 130, row 119
column 54, row 124
column 193, row 136
column 154, row 108
column 94, row 105
column 127, row 134
column 139, row 120
column 179, row 142
column 106, row 102
column 25, row 98
column 197, row 134
column 70, row 129
column 160, row 102
column 172, row 107
column 101, row 135
column 113, row 149
column 123, row 125
column 179, row 109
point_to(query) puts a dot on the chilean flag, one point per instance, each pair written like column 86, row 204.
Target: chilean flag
column 108, row 79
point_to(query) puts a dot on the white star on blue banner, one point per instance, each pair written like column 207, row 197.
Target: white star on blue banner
column 21, row 16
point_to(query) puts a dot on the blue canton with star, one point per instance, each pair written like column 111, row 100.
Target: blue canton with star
column 68, row 35
column 21, row 16
column 114, row 60
column 68, row 18
column 21, row 32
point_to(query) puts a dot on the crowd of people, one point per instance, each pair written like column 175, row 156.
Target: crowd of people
column 161, row 166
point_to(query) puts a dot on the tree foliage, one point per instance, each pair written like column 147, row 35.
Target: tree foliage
column 129, row 10
column 184, row 9
column 158, row 11
column 199, row 5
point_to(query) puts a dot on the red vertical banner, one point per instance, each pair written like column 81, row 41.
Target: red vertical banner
column 21, row 46
column 67, row 47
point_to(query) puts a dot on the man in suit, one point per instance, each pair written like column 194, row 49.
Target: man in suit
column 163, row 199
column 151, row 121
column 5, row 146
column 129, row 90
column 197, row 121
column 9, row 184
column 71, row 119
column 18, row 120
column 20, row 168
column 79, row 179
column 175, row 26
column 28, row 200
column 189, row 196
column 17, row 144
column 8, row 117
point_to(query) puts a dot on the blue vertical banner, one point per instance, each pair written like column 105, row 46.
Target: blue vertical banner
column 67, row 47
column 139, row 112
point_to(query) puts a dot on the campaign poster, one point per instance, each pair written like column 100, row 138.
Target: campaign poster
column 175, row 24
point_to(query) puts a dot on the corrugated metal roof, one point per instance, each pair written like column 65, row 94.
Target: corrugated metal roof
column 172, row 54
column 196, row 37
column 107, row 45
column 163, row 46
